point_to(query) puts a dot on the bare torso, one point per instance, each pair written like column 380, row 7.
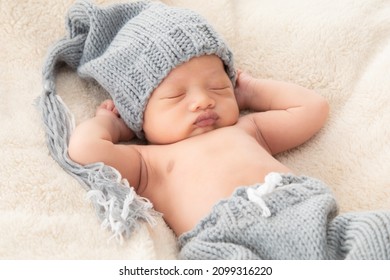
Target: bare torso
column 214, row 151
column 185, row 179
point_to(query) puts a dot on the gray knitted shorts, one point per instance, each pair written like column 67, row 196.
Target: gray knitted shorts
column 287, row 217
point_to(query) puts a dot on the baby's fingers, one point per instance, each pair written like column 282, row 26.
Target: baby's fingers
column 107, row 106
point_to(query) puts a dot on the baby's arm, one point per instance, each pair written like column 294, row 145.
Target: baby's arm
column 96, row 140
column 287, row 114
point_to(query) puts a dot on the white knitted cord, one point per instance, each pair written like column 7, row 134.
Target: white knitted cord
column 271, row 181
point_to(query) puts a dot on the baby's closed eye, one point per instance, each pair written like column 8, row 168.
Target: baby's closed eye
column 173, row 96
column 223, row 89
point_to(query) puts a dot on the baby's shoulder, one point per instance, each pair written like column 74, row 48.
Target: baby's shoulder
column 247, row 123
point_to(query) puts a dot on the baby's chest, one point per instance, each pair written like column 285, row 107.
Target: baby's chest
column 217, row 159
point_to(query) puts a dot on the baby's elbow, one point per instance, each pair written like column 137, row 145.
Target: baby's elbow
column 321, row 110
column 324, row 109
column 79, row 151
column 74, row 150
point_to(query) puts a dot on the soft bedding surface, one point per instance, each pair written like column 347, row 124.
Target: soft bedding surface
column 339, row 48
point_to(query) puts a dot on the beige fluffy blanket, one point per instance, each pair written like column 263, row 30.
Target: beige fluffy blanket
column 341, row 48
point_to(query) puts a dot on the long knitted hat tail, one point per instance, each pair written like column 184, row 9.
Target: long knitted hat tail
column 128, row 49
column 116, row 203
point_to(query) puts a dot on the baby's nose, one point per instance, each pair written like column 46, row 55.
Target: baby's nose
column 201, row 101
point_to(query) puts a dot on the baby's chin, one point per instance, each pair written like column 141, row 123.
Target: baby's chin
column 166, row 141
column 202, row 130
column 175, row 139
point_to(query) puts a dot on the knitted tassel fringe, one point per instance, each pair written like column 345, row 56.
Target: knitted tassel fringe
column 117, row 205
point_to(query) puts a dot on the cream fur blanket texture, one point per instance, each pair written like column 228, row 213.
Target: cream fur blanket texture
column 341, row 48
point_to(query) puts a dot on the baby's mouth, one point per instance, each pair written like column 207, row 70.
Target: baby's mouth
column 207, row 118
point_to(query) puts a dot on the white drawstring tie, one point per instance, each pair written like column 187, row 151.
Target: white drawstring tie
column 271, row 181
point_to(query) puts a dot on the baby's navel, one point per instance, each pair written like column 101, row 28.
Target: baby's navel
column 170, row 165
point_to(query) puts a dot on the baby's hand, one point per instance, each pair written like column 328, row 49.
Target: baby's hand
column 107, row 109
column 244, row 83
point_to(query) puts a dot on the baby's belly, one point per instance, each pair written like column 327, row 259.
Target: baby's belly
column 192, row 200
column 195, row 174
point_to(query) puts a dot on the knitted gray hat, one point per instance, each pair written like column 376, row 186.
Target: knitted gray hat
column 128, row 48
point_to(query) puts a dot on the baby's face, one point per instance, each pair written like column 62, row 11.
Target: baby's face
column 195, row 98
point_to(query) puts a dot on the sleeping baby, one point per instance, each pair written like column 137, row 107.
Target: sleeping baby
column 209, row 170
